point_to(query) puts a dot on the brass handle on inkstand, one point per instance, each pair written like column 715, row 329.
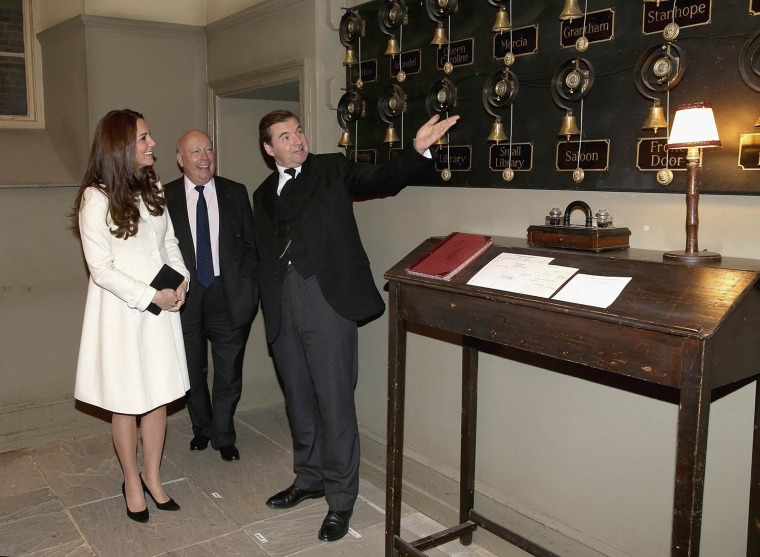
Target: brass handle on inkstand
column 559, row 233
column 579, row 205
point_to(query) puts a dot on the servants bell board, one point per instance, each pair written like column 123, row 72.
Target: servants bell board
column 554, row 94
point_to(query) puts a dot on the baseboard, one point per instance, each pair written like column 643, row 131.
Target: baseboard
column 436, row 495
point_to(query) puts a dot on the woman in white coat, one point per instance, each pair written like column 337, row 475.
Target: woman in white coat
column 131, row 361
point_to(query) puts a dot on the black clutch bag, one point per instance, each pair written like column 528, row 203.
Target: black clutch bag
column 165, row 278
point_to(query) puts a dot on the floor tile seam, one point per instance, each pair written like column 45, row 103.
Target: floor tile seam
column 371, row 504
column 276, row 517
column 212, row 500
column 209, row 540
column 46, row 551
column 65, row 508
column 74, row 523
column 269, row 553
column 28, row 492
column 264, row 435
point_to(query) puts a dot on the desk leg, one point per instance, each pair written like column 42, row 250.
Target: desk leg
column 469, row 430
column 753, row 526
column 691, row 452
column 395, row 441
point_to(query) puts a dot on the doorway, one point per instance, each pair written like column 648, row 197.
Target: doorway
column 235, row 107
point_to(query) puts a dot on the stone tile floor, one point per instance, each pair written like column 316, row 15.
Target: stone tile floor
column 64, row 499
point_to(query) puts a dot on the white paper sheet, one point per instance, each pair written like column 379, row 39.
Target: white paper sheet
column 522, row 274
column 592, row 290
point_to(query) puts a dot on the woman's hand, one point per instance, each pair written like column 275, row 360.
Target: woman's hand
column 181, row 295
column 166, row 299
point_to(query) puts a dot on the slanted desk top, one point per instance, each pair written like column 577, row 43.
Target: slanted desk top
column 692, row 328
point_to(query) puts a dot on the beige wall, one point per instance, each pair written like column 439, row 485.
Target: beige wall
column 190, row 12
column 577, row 460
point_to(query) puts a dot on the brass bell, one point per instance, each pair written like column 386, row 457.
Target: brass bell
column 497, row 132
column 502, row 21
column 439, row 37
column 571, row 11
column 444, row 140
column 656, row 119
column 569, row 127
column 350, row 59
column 391, row 137
column 345, row 140
column 393, row 47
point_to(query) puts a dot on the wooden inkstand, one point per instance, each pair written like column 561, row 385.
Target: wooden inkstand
column 559, row 233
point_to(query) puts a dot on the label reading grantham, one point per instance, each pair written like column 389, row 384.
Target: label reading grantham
column 652, row 155
column 521, row 157
column 594, row 155
column 600, row 26
column 523, row 41
column 688, row 13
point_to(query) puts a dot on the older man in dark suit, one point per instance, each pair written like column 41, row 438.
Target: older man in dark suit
column 316, row 286
column 213, row 222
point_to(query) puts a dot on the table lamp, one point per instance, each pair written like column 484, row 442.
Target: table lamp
column 693, row 129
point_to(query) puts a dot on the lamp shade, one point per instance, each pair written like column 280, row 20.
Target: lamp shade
column 693, row 126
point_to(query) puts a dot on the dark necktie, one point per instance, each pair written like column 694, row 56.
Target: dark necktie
column 286, row 186
column 204, row 260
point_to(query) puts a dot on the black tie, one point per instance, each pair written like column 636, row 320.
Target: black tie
column 204, row 260
column 286, row 186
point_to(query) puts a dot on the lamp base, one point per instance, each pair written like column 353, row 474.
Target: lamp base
column 692, row 257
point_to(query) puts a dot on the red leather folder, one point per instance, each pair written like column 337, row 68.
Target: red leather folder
column 450, row 255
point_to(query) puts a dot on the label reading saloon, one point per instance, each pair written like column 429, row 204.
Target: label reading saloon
column 594, row 154
column 518, row 157
column 459, row 53
column 687, row 13
column 652, row 155
column 519, row 42
column 454, row 157
column 600, row 26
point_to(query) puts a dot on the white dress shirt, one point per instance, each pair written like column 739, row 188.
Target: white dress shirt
column 209, row 193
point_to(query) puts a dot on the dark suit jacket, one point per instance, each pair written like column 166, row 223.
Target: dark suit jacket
column 237, row 248
column 323, row 194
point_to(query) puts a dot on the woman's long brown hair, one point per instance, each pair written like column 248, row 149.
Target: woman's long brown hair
column 114, row 171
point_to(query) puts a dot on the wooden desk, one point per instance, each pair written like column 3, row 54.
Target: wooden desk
column 690, row 328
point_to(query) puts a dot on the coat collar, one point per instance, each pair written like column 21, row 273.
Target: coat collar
column 301, row 191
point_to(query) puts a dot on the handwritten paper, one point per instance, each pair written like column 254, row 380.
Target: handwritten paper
column 533, row 275
column 592, row 290
column 522, row 274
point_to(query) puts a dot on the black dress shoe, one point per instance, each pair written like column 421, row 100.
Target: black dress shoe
column 139, row 516
column 229, row 453
column 170, row 505
column 199, row 443
column 292, row 496
column 335, row 525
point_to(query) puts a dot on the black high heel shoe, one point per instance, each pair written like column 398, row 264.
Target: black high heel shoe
column 139, row 516
column 170, row 505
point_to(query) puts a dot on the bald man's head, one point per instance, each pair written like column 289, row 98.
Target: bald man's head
column 196, row 157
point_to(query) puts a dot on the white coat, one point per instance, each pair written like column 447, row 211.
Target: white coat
column 130, row 360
